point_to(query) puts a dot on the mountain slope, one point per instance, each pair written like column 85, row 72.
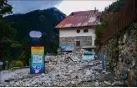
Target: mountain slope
column 38, row 20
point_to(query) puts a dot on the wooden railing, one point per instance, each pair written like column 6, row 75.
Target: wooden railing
column 123, row 18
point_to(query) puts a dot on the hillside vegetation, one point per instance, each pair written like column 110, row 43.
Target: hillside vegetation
column 38, row 20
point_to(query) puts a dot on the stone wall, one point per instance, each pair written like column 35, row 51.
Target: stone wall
column 110, row 50
column 121, row 52
column 66, row 41
column 84, row 40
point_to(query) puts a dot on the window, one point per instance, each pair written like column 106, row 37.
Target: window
column 77, row 43
column 85, row 30
column 78, row 31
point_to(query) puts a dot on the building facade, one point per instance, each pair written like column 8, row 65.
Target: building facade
column 77, row 31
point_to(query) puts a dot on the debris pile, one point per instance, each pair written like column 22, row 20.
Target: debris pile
column 61, row 70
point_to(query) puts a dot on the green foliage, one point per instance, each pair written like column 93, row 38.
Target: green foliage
column 135, row 25
column 7, row 34
column 100, row 28
column 6, row 30
column 24, row 57
column 6, row 40
column 10, row 48
column 12, row 64
column 116, row 6
column 15, row 45
column 39, row 20
column 19, row 64
column 16, row 64
column 5, row 8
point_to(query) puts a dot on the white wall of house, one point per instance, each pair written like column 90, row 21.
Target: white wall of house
column 71, row 32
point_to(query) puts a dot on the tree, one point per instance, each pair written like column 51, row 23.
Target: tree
column 116, row 6
column 5, row 8
column 7, row 34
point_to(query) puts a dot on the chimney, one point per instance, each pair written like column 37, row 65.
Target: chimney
column 95, row 9
column 72, row 14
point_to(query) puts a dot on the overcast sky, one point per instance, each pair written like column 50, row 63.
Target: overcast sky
column 66, row 6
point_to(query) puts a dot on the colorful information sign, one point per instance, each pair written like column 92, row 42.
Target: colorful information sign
column 37, row 60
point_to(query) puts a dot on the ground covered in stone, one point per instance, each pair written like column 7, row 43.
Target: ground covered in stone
column 64, row 70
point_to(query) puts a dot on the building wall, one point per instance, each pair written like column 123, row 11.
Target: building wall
column 72, row 32
column 70, row 36
column 84, row 41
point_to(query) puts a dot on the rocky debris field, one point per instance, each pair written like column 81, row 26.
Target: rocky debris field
column 64, row 70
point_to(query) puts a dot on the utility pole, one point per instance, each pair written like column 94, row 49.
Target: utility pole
column 1, row 63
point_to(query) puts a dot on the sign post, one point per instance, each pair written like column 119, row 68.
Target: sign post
column 37, row 60
column 37, row 64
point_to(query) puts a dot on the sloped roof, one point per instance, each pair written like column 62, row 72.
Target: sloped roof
column 80, row 19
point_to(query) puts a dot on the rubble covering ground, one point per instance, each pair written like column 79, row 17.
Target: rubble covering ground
column 65, row 70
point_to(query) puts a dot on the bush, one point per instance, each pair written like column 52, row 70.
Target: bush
column 16, row 64
column 19, row 64
column 24, row 58
column 12, row 64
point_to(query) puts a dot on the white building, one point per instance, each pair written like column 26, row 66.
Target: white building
column 78, row 30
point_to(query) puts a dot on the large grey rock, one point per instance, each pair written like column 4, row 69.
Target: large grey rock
column 96, row 84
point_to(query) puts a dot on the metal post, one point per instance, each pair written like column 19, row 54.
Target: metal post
column 0, row 75
column 103, row 58
column 1, row 64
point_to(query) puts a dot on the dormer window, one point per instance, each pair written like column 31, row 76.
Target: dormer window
column 92, row 19
column 85, row 30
